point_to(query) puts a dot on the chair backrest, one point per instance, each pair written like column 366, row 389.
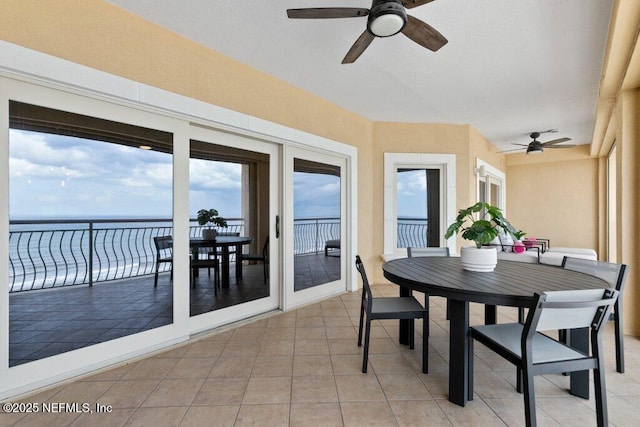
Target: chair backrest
column 164, row 245
column 420, row 252
column 614, row 274
column 571, row 309
column 367, row 295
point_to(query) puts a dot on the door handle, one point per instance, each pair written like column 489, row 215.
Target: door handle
column 277, row 226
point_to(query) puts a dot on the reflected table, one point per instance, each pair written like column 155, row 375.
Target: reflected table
column 224, row 243
column 511, row 284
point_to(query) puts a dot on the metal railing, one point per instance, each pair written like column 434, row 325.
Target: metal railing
column 311, row 234
column 412, row 232
column 47, row 254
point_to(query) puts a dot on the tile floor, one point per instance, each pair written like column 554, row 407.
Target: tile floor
column 303, row 368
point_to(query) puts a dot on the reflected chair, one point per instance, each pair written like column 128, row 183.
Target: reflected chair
column 216, row 252
column 429, row 252
column 535, row 353
column 390, row 308
column 208, row 263
column 264, row 257
column 616, row 276
column 164, row 254
column 331, row 244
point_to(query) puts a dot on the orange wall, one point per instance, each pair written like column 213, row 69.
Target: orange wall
column 553, row 195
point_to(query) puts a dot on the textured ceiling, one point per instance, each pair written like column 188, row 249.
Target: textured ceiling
column 510, row 67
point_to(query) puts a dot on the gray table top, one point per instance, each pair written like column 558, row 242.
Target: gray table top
column 510, row 284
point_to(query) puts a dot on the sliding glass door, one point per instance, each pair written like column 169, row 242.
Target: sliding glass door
column 233, row 236
column 316, row 194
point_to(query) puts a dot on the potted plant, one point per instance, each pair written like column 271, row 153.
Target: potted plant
column 210, row 217
column 481, row 231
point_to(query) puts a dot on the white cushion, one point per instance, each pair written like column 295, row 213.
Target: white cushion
column 527, row 256
column 575, row 251
column 555, row 258
column 507, row 240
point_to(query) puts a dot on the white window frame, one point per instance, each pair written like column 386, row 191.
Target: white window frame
column 394, row 161
column 488, row 174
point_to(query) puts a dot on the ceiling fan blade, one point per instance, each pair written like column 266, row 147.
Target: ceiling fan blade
column 509, row 151
column 522, row 145
column 560, row 146
column 327, row 12
column 556, row 141
column 358, row 47
column 410, row 4
column 423, row 34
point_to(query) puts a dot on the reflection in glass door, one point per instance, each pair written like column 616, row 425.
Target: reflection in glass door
column 232, row 208
column 317, row 233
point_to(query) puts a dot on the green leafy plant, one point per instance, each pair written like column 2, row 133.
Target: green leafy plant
column 211, row 217
column 482, row 230
column 518, row 234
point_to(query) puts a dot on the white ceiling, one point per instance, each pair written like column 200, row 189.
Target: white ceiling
column 510, row 67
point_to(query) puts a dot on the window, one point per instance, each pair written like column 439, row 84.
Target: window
column 435, row 175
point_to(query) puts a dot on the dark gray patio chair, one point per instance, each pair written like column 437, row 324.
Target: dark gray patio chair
column 616, row 276
column 263, row 257
column 164, row 254
column 428, row 252
column 216, row 252
column 537, row 354
column 331, row 244
column 207, row 263
column 390, row 308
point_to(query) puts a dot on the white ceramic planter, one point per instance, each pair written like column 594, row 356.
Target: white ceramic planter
column 474, row 259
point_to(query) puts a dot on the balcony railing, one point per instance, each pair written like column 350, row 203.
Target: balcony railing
column 310, row 234
column 49, row 254
column 412, row 232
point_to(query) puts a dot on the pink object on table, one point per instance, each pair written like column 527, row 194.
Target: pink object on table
column 519, row 247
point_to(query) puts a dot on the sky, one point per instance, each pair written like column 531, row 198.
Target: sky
column 412, row 194
column 56, row 176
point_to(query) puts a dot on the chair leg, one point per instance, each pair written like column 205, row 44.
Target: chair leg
column 617, row 318
column 529, row 398
column 412, row 334
column 264, row 268
column 425, row 343
column 521, row 317
column 470, row 367
column 155, row 279
column 519, row 379
column 599, row 387
column 365, row 357
column 361, row 324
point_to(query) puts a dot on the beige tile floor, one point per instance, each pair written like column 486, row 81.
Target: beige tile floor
column 303, row 368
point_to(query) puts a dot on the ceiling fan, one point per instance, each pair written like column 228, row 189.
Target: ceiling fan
column 385, row 18
column 536, row 146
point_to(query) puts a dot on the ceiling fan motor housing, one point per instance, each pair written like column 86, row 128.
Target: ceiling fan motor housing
column 386, row 18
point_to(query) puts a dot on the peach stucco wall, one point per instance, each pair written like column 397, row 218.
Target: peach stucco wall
column 552, row 196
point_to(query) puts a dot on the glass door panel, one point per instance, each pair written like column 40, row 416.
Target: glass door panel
column 317, row 191
column 233, row 204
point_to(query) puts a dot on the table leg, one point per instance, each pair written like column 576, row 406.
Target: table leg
column 195, row 252
column 238, row 262
column 404, row 329
column 458, row 352
column 490, row 315
column 579, row 382
column 225, row 267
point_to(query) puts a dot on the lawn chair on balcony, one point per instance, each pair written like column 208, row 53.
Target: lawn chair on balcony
column 331, row 244
column 164, row 254
column 264, row 257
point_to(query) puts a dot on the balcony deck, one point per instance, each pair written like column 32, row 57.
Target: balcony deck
column 53, row 321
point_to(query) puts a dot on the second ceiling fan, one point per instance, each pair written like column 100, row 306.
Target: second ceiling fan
column 536, row 146
column 385, row 18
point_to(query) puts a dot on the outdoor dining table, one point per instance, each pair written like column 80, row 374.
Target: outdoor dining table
column 511, row 284
column 225, row 243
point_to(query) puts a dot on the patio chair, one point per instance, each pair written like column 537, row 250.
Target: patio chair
column 615, row 275
column 331, row 244
column 216, row 253
column 164, row 254
column 264, row 257
column 537, row 354
column 208, row 263
column 390, row 308
column 428, row 252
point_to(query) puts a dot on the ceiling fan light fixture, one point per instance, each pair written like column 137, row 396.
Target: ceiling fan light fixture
column 387, row 18
column 534, row 150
